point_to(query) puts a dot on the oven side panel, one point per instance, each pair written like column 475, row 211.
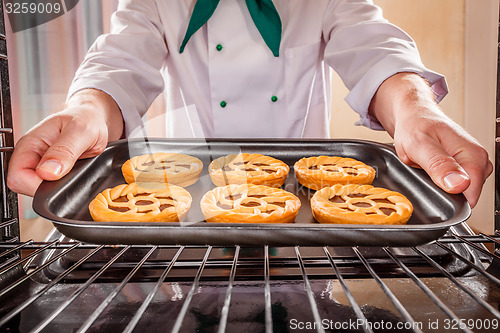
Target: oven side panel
column 497, row 146
column 8, row 199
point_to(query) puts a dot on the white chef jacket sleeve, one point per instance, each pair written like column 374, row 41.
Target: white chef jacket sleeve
column 365, row 49
column 126, row 63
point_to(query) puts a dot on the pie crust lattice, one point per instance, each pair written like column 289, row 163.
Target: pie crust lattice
column 248, row 168
column 173, row 168
column 360, row 204
column 249, row 204
column 132, row 203
column 322, row 171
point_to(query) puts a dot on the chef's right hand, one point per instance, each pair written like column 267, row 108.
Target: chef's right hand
column 50, row 149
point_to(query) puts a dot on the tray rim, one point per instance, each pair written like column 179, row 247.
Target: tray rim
column 39, row 204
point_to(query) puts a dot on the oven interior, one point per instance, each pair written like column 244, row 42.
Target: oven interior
column 65, row 285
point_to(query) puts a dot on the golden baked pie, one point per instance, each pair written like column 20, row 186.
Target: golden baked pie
column 247, row 168
column 322, row 171
column 173, row 168
column 249, row 204
column 132, row 203
column 360, row 204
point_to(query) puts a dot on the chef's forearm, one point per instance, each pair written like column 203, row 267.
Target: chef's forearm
column 399, row 97
column 105, row 106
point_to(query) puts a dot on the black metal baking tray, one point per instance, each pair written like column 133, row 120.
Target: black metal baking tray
column 65, row 202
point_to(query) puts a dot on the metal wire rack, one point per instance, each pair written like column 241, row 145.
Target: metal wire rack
column 216, row 293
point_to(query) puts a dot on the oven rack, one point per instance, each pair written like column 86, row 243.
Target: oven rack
column 62, row 296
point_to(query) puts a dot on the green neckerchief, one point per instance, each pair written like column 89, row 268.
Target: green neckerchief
column 263, row 13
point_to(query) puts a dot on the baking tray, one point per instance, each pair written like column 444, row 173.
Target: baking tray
column 65, row 202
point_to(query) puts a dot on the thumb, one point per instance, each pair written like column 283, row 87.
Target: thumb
column 65, row 151
column 444, row 170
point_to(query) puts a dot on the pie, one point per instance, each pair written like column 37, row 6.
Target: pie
column 248, row 203
column 173, row 168
column 248, row 168
column 360, row 204
column 133, row 203
column 322, row 171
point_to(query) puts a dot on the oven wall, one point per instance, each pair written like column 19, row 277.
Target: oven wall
column 458, row 38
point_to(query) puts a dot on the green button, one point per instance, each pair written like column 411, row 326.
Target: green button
column 219, row 47
column 223, row 104
column 274, row 99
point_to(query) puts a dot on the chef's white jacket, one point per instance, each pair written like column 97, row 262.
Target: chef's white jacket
column 227, row 83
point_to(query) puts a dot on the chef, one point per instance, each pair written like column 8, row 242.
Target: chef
column 252, row 69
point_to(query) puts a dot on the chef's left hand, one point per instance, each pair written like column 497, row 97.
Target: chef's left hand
column 425, row 137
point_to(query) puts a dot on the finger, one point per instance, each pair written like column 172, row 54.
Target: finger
column 444, row 170
column 73, row 143
column 404, row 157
column 478, row 176
column 21, row 177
